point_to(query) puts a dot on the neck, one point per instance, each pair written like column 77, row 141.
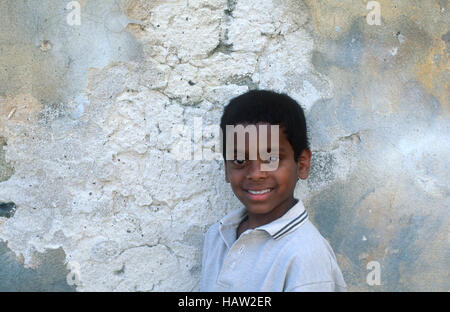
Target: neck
column 255, row 220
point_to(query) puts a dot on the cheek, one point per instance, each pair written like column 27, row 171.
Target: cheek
column 235, row 178
column 287, row 174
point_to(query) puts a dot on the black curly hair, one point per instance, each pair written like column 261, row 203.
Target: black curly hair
column 265, row 106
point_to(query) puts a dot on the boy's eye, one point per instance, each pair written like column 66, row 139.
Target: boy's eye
column 239, row 161
column 273, row 158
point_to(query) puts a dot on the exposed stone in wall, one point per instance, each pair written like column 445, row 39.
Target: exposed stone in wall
column 87, row 113
column 50, row 274
column 7, row 210
column 6, row 169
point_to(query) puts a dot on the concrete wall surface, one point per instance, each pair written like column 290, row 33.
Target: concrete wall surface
column 91, row 197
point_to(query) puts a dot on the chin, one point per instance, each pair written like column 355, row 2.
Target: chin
column 258, row 208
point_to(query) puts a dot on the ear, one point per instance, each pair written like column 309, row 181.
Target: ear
column 304, row 164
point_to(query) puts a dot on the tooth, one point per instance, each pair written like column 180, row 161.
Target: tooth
column 259, row 192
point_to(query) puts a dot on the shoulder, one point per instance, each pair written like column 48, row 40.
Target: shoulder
column 212, row 231
column 307, row 242
column 214, row 228
column 312, row 260
column 210, row 241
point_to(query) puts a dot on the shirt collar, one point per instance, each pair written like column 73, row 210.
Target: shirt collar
column 290, row 221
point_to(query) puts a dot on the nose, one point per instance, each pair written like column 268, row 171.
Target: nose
column 254, row 170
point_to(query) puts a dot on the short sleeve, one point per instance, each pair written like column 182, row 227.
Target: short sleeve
column 314, row 268
column 319, row 287
column 206, row 247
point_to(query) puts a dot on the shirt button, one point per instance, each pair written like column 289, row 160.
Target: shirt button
column 241, row 249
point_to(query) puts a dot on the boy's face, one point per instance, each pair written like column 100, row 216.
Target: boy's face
column 276, row 187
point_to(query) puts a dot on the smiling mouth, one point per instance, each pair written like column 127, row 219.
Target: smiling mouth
column 253, row 192
column 259, row 195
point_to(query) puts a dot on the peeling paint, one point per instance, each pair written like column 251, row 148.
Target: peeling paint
column 433, row 72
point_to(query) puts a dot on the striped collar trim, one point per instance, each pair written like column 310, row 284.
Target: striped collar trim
column 289, row 222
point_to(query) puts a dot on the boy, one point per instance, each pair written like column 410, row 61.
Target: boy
column 269, row 244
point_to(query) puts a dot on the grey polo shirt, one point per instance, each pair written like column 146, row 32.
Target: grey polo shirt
column 287, row 254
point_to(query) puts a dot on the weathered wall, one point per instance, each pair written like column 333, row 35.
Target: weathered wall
column 86, row 113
